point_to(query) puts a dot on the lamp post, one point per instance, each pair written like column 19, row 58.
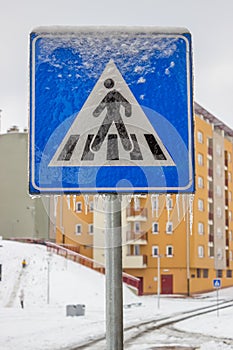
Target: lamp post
column 49, row 256
column 159, row 256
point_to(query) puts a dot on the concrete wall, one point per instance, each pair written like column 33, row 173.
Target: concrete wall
column 20, row 215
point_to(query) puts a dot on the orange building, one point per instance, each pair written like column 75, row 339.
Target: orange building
column 181, row 241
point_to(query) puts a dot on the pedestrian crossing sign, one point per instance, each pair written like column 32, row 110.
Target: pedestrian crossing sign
column 217, row 283
column 111, row 110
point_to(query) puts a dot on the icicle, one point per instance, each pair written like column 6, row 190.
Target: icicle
column 178, row 206
column 155, row 205
column 86, row 202
column 55, row 201
column 183, row 204
column 136, row 202
column 68, row 201
column 96, row 200
column 191, row 198
column 74, row 202
column 168, row 197
column 152, row 204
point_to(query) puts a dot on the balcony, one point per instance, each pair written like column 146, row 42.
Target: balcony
column 211, row 238
column 211, row 216
column 139, row 214
column 210, row 194
column 210, row 151
column 135, row 261
column 210, row 172
column 136, row 237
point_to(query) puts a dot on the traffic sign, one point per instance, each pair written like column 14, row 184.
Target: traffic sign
column 111, row 110
column 217, row 283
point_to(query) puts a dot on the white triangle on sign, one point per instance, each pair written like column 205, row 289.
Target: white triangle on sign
column 111, row 129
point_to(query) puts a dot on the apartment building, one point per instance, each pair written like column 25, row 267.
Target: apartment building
column 181, row 241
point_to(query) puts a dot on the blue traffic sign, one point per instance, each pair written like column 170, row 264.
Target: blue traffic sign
column 217, row 283
column 111, row 110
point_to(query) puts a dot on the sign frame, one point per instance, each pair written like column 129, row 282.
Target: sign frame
column 130, row 178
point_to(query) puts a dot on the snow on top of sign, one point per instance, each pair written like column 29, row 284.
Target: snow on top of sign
column 102, row 43
column 103, row 29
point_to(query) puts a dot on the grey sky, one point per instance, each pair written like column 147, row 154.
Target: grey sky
column 209, row 21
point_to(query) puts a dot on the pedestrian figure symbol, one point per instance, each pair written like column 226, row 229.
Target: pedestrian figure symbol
column 112, row 102
column 100, row 135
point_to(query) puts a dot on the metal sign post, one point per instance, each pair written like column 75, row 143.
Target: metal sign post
column 217, row 285
column 113, row 265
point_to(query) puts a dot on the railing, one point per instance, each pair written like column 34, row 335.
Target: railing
column 136, row 212
column 61, row 250
column 135, row 236
column 210, row 172
column 210, row 194
column 211, row 238
column 211, row 216
column 88, row 262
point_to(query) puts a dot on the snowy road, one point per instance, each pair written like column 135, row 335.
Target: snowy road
column 43, row 326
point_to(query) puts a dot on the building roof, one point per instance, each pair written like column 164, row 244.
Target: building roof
column 199, row 110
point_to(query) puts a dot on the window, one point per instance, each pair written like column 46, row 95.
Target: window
column 219, row 232
column 137, row 227
column 169, row 203
column 229, row 176
column 230, row 255
column 136, row 249
column 219, row 273
column 219, row 212
column 200, row 137
column 155, row 227
column 155, row 203
column 205, row 273
column 200, row 159
column 211, row 252
column 200, row 182
column 136, row 203
column 155, row 250
column 90, row 229
column 200, row 228
column 78, row 229
column 230, row 235
column 198, row 273
column 169, row 251
column 79, row 206
column 91, row 207
column 219, row 170
column 169, row 227
column 230, row 196
column 200, row 251
column 219, row 254
column 200, row 204
column 219, row 191
column 229, row 274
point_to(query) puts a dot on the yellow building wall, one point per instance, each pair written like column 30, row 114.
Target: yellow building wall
column 185, row 238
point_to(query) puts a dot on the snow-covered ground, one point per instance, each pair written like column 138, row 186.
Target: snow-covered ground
column 51, row 282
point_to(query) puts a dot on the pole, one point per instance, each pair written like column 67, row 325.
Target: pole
column 113, row 264
column 158, row 282
column 48, row 282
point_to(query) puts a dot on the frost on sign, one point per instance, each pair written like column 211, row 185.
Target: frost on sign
column 111, row 110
